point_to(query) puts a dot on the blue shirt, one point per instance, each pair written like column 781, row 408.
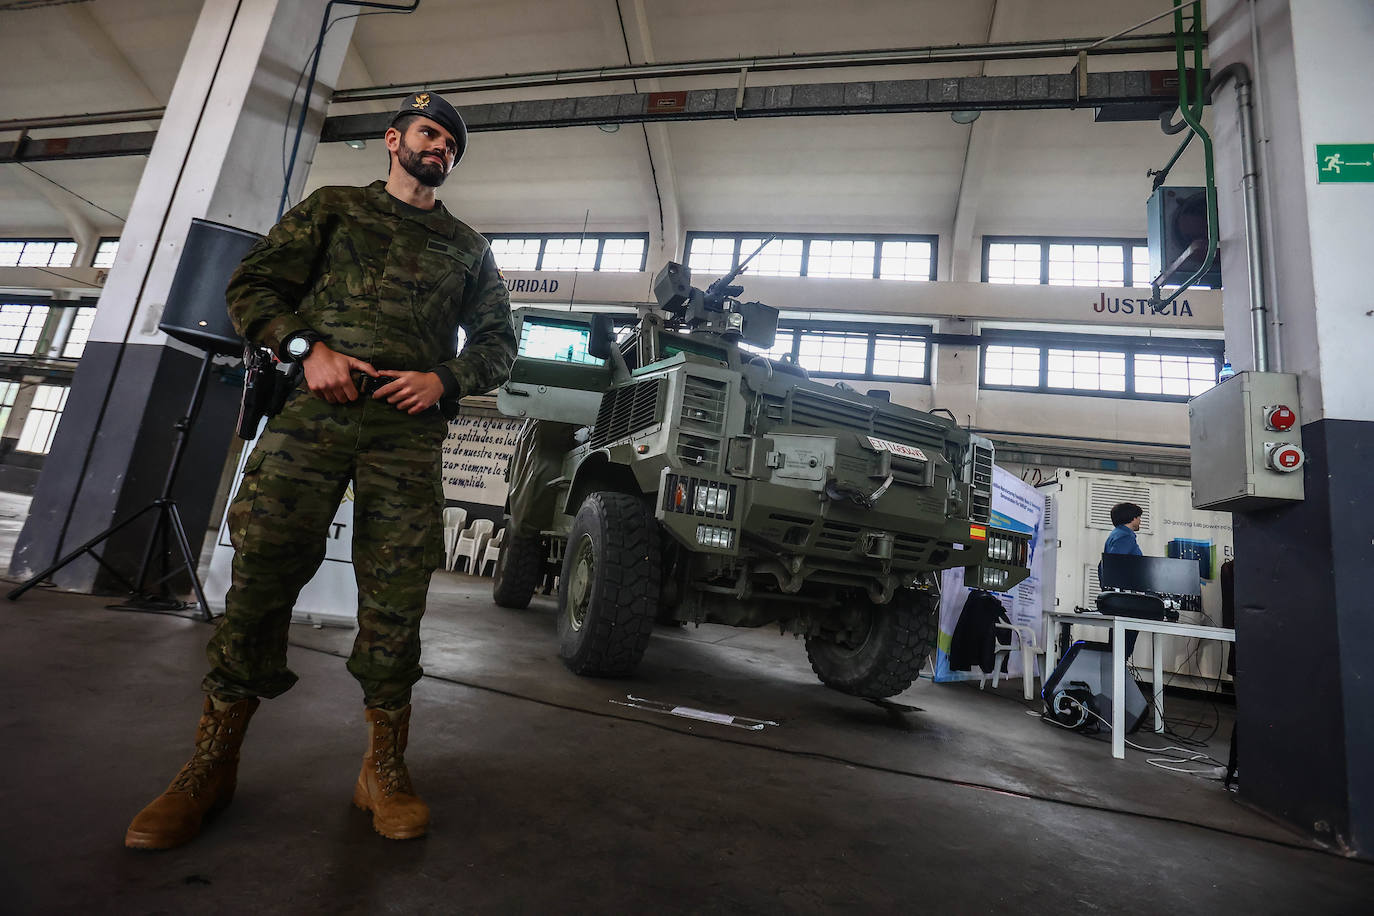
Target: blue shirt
column 1122, row 540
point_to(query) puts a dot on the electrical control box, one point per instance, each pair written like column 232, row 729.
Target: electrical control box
column 1247, row 443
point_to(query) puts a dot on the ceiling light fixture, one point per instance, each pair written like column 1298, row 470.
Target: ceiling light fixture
column 356, row 144
column 964, row 117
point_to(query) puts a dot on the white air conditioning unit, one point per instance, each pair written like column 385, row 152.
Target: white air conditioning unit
column 1078, row 520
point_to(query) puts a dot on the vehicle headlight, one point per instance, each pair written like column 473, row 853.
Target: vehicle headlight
column 712, row 536
column 995, row 579
column 712, row 500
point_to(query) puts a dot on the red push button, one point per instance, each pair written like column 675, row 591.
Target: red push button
column 1280, row 418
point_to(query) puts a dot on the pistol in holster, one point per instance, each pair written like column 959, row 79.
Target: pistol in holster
column 265, row 389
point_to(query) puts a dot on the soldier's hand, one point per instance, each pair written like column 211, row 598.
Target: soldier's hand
column 413, row 392
column 327, row 374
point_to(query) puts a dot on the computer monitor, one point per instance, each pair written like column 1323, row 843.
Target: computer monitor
column 1160, row 575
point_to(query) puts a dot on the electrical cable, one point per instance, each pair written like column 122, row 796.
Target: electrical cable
column 70, row 191
column 849, row 762
column 653, row 172
column 314, row 62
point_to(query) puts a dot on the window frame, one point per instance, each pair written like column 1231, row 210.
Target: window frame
column 806, row 238
column 922, row 332
column 1130, row 346
column 32, row 302
column 600, row 237
column 1045, row 241
column 101, row 243
column 44, row 240
column 51, row 433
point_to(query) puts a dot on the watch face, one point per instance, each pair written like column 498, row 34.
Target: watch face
column 298, row 347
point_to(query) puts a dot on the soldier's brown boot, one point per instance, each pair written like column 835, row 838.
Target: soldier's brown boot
column 384, row 784
column 205, row 784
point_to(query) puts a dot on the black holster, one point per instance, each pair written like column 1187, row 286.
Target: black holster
column 265, row 389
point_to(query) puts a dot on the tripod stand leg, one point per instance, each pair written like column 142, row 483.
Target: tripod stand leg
column 84, row 548
column 185, row 544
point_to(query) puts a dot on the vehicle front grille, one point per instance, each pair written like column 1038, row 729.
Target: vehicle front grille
column 838, row 536
column 803, row 407
column 980, row 495
column 627, row 410
column 704, row 403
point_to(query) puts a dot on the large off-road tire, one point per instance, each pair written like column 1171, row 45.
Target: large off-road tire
column 884, row 661
column 519, row 567
column 608, row 589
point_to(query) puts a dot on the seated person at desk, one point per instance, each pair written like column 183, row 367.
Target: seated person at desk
column 1126, row 518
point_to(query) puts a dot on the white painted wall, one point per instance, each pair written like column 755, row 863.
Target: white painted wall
column 1311, row 70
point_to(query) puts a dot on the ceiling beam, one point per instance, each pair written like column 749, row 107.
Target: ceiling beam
column 970, row 93
column 944, row 54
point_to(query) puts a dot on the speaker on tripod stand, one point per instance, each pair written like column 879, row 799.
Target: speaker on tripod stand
column 195, row 314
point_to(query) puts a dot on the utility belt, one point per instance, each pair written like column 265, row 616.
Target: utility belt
column 266, row 388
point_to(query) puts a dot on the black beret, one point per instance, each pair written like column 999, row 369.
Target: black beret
column 437, row 109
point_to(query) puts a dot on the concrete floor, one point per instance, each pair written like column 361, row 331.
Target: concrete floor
column 549, row 797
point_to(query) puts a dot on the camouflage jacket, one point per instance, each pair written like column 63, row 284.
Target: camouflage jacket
column 384, row 282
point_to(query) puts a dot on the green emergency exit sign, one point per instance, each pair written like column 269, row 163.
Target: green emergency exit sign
column 1345, row 162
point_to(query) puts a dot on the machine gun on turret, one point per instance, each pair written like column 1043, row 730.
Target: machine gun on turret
column 715, row 310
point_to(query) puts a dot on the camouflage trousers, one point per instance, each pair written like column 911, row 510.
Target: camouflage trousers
column 280, row 520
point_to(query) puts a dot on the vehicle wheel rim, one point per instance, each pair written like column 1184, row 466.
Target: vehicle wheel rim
column 580, row 588
column 868, row 636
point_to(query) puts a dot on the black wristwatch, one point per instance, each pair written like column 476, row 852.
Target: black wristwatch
column 298, row 345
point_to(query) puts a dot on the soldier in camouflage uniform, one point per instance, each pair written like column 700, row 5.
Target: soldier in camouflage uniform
column 360, row 285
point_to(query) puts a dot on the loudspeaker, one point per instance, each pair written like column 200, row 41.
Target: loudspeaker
column 196, row 312
column 1083, row 678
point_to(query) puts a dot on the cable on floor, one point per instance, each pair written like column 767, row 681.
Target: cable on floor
column 858, row 764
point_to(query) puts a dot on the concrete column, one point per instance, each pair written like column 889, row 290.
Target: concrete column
column 218, row 156
column 1305, row 572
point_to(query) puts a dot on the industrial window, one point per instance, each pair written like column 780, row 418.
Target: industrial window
column 1149, row 368
column 105, row 253
column 834, row 352
column 1032, row 260
column 9, row 390
column 1085, row 370
column 884, row 257
column 1011, row 366
column 80, row 332
column 21, row 325
column 1141, row 275
column 37, row 253
column 842, row 350
column 784, row 344
column 609, row 252
column 1086, row 265
column 1177, row 375
column 40, row 424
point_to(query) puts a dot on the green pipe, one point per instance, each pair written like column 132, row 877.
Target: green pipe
column 1191, row 110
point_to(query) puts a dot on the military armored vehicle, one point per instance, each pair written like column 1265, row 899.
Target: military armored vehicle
column 673, row 473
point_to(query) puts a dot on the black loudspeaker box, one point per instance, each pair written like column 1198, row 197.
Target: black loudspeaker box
column 196, row 313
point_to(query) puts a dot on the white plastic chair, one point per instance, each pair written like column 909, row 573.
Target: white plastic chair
column 1029, row 648
column 492, row 553
column 471, row 542
column 454, row 520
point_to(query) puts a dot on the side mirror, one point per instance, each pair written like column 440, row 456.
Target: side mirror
column 602, row 338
